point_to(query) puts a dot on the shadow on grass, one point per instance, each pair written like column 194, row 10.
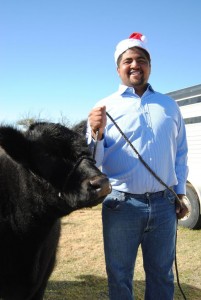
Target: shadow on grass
column 89, row 287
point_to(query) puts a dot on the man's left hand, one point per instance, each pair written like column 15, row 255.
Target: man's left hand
column 181, row 208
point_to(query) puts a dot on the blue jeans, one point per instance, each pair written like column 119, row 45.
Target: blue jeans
column 128, row 221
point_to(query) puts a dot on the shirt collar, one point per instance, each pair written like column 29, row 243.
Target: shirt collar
column 123, row 88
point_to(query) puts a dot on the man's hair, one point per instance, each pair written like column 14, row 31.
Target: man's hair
column 144, row 51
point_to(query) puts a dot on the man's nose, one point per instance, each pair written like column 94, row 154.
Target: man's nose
column 134, row 64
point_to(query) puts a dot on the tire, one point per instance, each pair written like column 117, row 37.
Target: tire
column 193, row 219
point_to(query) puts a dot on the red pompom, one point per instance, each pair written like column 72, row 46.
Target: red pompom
column 136, row 35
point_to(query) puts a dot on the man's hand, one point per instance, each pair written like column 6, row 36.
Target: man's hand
column 181, row 208
column 97, row 121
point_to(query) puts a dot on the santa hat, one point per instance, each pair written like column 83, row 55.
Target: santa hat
column 135, row 40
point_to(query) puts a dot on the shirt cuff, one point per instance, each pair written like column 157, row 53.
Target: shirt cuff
column 180, row 189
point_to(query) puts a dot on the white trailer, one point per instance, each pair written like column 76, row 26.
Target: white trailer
column 189, row 101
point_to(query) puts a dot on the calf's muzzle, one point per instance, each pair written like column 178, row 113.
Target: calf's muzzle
column 102, row 186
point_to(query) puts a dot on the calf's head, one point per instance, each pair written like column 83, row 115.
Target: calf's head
column 59, row 156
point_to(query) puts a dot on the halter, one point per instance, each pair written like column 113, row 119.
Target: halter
column 80, row 159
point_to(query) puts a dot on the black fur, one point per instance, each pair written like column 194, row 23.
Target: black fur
column 81, row 127
column 41, row 180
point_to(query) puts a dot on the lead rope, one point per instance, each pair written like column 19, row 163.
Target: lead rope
column 95, row 146
column 156, row 176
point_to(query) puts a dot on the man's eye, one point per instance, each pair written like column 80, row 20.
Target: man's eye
column 142, row 61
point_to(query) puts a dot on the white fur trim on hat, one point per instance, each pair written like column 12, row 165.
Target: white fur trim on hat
column 138, row 41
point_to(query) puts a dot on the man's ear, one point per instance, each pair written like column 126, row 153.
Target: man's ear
column 118, row 71
column 150, row 68
column 14, row 143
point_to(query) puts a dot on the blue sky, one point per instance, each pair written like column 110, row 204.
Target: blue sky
column 56, row 56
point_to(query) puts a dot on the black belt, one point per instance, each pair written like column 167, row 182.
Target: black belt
column 148, row 195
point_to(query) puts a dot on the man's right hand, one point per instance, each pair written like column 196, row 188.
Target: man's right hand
column 97, row 121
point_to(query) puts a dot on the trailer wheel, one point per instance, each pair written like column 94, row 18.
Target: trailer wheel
column 193, row 219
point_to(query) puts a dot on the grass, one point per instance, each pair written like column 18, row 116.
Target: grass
column 80, row 270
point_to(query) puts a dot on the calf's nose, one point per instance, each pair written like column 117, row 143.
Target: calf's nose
column 102, row 185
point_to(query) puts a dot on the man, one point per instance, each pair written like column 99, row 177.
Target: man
column 140, row 210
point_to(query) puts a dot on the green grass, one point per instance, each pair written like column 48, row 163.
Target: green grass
column 80, row 270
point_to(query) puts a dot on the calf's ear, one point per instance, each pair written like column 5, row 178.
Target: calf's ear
column 81, row 127
column 14, row 143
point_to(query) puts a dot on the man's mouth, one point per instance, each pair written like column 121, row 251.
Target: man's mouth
column 135, row 73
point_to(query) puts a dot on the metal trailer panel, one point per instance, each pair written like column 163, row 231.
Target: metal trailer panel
column 189, row 101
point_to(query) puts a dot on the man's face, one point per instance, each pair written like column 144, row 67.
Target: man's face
column 134, row 69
